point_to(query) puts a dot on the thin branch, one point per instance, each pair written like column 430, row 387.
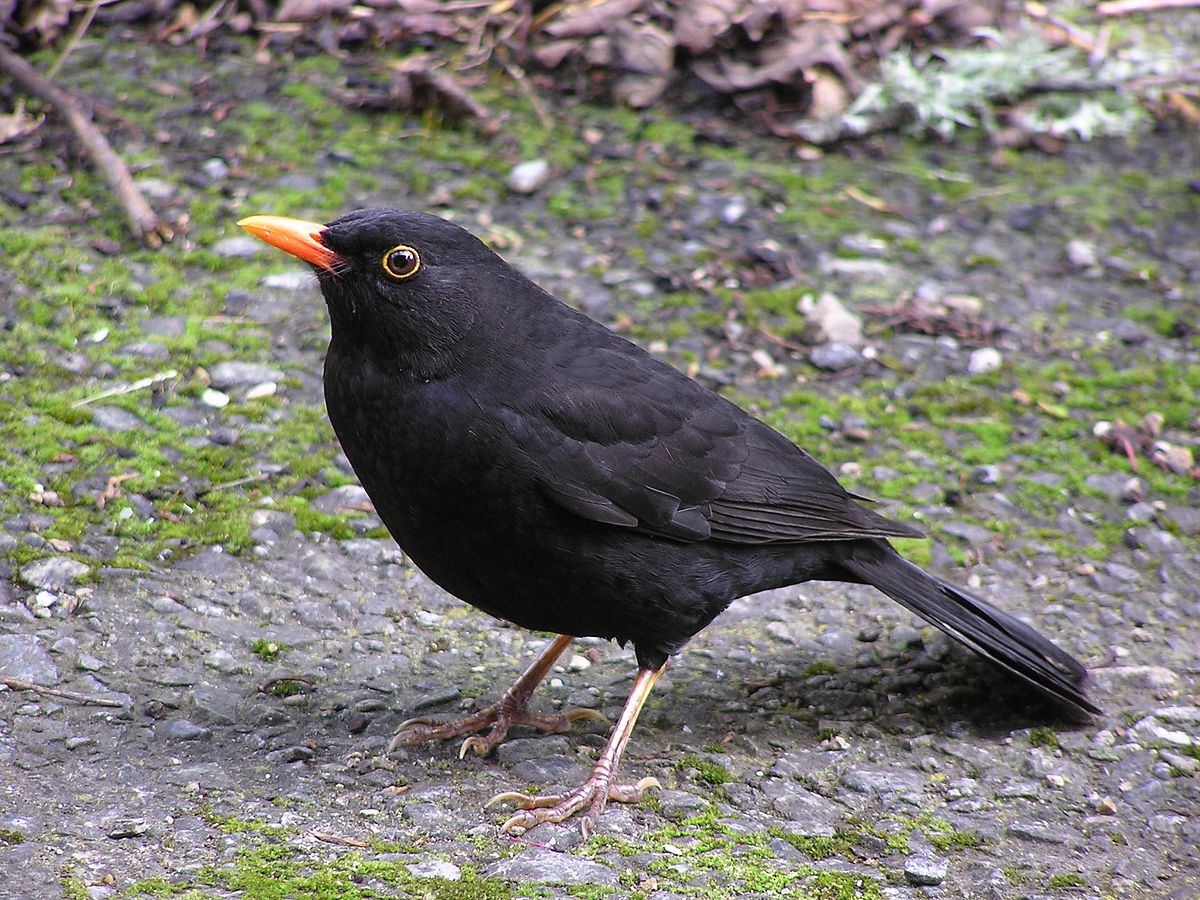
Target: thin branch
column 1125, row 7
column 121, row 389
column 73, row 41
column 249, row 479
column 143, row 221
column 516, row 74
column 16, row 684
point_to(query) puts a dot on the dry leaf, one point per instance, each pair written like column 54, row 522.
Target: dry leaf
column 18, row 123
column 47, row 19
column 647, row 54
column 310, row 10
column 588, row 19
column 698, row 23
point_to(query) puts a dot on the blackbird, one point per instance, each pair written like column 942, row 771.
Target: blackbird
column 551, row 473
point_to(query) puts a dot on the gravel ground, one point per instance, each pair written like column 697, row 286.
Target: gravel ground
column 814, row 741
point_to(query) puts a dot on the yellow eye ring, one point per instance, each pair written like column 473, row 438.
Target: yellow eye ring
column 401, row 262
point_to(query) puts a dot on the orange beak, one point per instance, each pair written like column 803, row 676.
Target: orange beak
column 299, row 238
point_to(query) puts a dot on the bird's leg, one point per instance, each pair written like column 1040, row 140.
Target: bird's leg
column 511, row 709
column 594, row 793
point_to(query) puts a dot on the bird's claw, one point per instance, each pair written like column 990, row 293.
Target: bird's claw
column 419, row 730
column 576, row 715
column 416, row 731
column 476, row 743
column 593, row 794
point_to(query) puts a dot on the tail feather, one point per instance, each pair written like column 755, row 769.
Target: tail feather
column 993, row 634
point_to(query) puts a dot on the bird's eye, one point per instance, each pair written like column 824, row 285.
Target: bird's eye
column 402, row 262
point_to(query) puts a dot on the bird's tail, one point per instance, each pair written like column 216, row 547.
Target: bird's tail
column 993, row 634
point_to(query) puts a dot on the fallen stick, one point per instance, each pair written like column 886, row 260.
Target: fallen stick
column 1125, row 7
column 16, row 684
column 145, row 224
column 127, row 388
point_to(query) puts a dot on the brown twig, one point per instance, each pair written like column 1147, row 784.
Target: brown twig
column 73, row 40
column 517, row 75
column 1124, row 7
column 238, row 482
column 143, row 221
column 16, row 684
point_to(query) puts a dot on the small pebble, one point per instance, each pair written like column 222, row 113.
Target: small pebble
column 527, row 177
column 984, row 360
column 834, row 356
column 925, row 870
column 1081, row 254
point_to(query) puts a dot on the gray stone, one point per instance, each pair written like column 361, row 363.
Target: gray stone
column 834, row 356
column 348, row 497
column 984, row 360
column 550, row 770
column 1038, row 833
column 1187, row 716
column 22, row 657
column 1082, row 254
column 922, row 869
column 181, row 730
column 223, row 661
column 986, row 475
column 875, row 781
column 795, row 804
column 231, row 374
column 436, row 868
column 211, row 561
column 53, row 573
column 238, row 247
column 170, row 326
column 967, row 531
column 113, row 418
column 681, row 804
column 833, row 322
column 155, row 188
column 296, row 280
column 545, row 866
column 733, row 211
column 151, row 350
column 214, row 704
column 524, row 749
column 215, row 168
column 527, row 177
column 1186, row 518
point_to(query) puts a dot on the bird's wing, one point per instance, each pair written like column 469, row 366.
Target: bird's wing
column 653, row 451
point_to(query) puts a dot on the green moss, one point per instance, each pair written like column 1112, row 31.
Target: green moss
column 154, row 887
column 284, row 688
column 73, row 888
column 268, row 651
column 819, row 667
column 1066, row 881
column 11, row 836
column 274, row 871
column 707, row 771
column 1044, row 737
column 951, row 839
column 818, row 846
column 237, row 825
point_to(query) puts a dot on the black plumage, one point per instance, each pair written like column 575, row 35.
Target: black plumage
column 544, row 469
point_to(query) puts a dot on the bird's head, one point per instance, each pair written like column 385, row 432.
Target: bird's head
column 402, row 282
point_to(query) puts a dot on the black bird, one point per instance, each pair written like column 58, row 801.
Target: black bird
column 551, row 473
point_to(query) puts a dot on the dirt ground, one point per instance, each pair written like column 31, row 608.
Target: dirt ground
column 815, row 741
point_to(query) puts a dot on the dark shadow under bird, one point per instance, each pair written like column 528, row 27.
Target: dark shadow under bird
column 551, row 473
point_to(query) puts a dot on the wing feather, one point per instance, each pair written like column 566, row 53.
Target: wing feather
column 662, row 455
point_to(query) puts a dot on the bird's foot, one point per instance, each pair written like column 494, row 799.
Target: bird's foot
column 500, row 716
column 593, row 795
